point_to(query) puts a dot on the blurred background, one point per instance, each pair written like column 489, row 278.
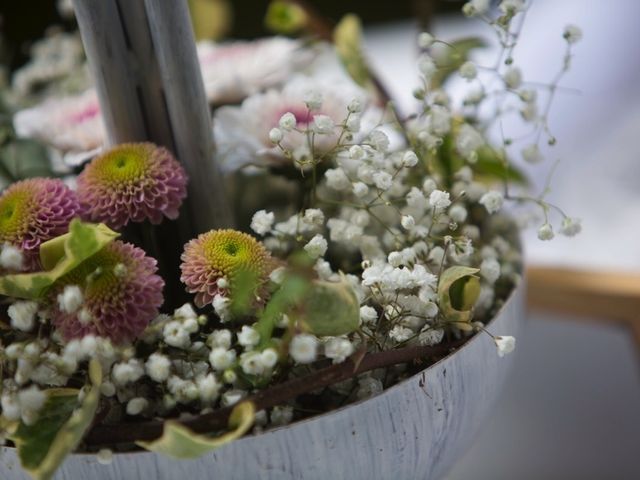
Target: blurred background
column 571, row 409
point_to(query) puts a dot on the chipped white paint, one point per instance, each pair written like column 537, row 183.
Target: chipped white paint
column 414, row 430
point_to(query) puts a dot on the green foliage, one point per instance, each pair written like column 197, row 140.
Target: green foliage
column 489, row 168
column 58, row 256
column 452, row 58
column 285, row 17
column 347, row 37
column 179, row 442
column 211, row 19
column 22, row 158
column 458, row 291
column 62, row 423
column 330, row 308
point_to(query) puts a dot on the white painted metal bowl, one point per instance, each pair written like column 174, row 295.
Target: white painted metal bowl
column 416, row 429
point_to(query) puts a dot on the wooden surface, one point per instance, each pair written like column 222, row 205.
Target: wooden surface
column 414, row 430
column 594, row 295
column 143, row 58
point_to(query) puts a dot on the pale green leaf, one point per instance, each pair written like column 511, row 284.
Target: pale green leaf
column 58, row 256
column 42, row 447
column 347, row 37
column 330, row 309
column 180, row 442
column 458, row 291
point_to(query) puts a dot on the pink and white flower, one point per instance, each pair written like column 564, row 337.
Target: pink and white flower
column 232, row 71
column 70, row 124
column 242, row 132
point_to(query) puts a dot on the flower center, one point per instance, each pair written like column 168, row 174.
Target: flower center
column 122, row 165
column 14, row 214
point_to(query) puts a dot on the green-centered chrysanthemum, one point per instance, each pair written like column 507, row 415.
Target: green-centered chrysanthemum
column 132, row 182
column 223, row 254
column 122, row 294
column 33, row 211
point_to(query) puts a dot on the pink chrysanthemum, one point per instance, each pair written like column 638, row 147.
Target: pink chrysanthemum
column 224, row 254
column 121, row 294
column 132, row 182
column 34, row 211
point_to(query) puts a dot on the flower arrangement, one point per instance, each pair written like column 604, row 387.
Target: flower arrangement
column 372, row 234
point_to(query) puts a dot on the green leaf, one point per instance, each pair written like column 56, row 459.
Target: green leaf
column 179, row 442
column 458, row 291
column 490, row 168
column 330, row 308
column 285, row 17
column 211, row 19
column 347, row 37
column 63, row 421
column 59, row 256
column 23, row 158
column 450, row 58
column 290, row 294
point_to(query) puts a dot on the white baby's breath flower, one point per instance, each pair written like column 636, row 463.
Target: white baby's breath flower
column 355, row 105
column 368, row 314
column 104, row 456
column 317, row 246
column 127, row 372
column 476, row 7
column 262, row 221
column 458, row 213
column 468, row 141
column 513, row 77
column 313, row 99
column 570, row 226
column 248, row 337
column 427, row 66
column 492, row 201
column 379, row 140
column 545, row 232
column 511, row 7
column 425, row 40
column 572, row 33
column 468, row 70
column 275, row 135
column 208, row 388
column 531, row 153
column 408, row 222
column 439, row 200
column 360, row 189
column 400, row 334
column 71, row 299
column 221, row 307
column 337, row 179
column 356, row 152
column 409, row 159
column 281, row 416
column 287, row 122
column 383, row 180
column 303, row 348
column 490, row 269
column 136, row 405
column 338, row 349
column 11, row 258
column 505, row 344
column 158, row 367
column 22, row 314
column 323, row 124
column 176, row 335
column 430, row 336
column 220, row 358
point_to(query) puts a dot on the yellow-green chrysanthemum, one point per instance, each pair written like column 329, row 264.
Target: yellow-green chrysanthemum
column 132, row 182
column 223, row 254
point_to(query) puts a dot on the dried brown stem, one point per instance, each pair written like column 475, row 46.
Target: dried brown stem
column 102, row 435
